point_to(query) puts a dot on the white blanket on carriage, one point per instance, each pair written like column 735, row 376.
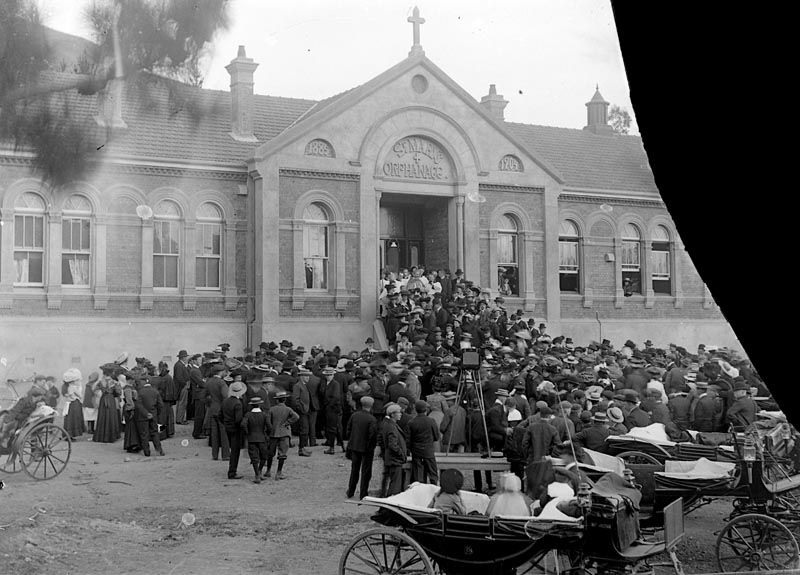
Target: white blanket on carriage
column 699, row 469
column 419, row 497
column 604, row 462
column 654, row 433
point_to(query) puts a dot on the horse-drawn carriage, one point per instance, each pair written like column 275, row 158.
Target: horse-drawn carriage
column 762, row 481
column 760, row 473
column 37, row 446
column 416, row 538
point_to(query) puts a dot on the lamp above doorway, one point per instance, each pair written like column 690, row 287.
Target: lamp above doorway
column 393, row 244
column 476, row 197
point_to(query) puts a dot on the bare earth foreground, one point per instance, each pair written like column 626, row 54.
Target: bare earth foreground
column 104, row 514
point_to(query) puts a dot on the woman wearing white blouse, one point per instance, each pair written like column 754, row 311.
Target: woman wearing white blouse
column 73, row 408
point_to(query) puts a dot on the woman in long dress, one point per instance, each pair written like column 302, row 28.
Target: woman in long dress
column 131, row 442
column 90, row 397
column 107, row 429
column 166, row 387
column 73, row 408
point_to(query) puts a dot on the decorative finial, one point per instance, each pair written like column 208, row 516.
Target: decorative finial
column 597, row 87
column 416, row 21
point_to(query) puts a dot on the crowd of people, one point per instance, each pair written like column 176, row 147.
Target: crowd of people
column 530, row 395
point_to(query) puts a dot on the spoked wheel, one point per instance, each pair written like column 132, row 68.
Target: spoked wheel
column 11, row 464
column 754, row 542
column 44, row 451
column 384, row 551
column 638, row 457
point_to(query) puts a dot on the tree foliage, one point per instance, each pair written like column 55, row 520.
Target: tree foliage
column 619, row 119
column 157, row 43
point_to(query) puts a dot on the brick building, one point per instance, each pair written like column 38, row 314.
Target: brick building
column 266, row 218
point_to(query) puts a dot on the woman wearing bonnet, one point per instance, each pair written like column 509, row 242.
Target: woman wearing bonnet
column 73, row 408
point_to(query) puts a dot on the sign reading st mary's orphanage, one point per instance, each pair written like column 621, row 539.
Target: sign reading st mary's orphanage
column 417, row 159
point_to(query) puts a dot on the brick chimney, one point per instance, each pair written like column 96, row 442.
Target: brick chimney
column 109, row 105
column 597, row 114
column 241, row 70
column 494, row 104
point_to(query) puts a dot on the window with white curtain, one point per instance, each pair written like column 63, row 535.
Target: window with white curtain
column 76, row 250
column 660, row 258
column 166, row 244
column 631, row 260
column 208, row 252
column 568, row 262
column 315, row 246
column 507, row 256
column 29, row 253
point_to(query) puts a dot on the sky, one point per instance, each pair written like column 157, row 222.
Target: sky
column 544, row 56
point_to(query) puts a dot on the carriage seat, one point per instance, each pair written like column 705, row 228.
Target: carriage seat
column 419, row 497
column 700, row 469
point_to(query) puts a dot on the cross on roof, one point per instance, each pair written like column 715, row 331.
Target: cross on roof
column 417, row 22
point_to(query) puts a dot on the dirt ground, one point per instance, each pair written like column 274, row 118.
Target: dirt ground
column 113, row 512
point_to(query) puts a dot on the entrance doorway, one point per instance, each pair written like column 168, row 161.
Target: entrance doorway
column 413, row 232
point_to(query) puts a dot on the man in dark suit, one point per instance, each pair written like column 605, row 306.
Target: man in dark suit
column 232, row 412
column 256, row 428
column 333, row 410
column 497, row 421
column 217, row 391
column 394, row 450
column 198, row 390
column 422, row 433
column 148, row 407
column 345, row 378
column 302, row 402
column 362, row 430
column 180, row 375
column 314, row 406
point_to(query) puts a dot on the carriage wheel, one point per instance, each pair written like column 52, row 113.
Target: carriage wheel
column 12, row 464
column 44, row 451
column 753, row 542
column 638, row 457
column 383, row 551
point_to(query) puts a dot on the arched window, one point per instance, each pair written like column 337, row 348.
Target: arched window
column 568, row 262
column 166, row 244
column 660, row 260
column 76, row 250
column 29, row 243
column 315, row 246
column 208, row 253
column 631, row 260
column 507, row 256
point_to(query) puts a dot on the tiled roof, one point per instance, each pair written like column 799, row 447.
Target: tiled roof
column 200, row 133
column 587, row 160
column 155, row 130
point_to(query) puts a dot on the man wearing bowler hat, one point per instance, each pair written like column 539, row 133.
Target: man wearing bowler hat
column 198, row 391
column 232, row 413
column 180, row 375
column 281, row 418
column 362, row 430
column 256, row 428
column 594, row 436
column 302, row 404
column 742, row 411
column 217, row 391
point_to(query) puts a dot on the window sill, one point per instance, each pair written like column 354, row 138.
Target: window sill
column 33, row 288
column 208, row 289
